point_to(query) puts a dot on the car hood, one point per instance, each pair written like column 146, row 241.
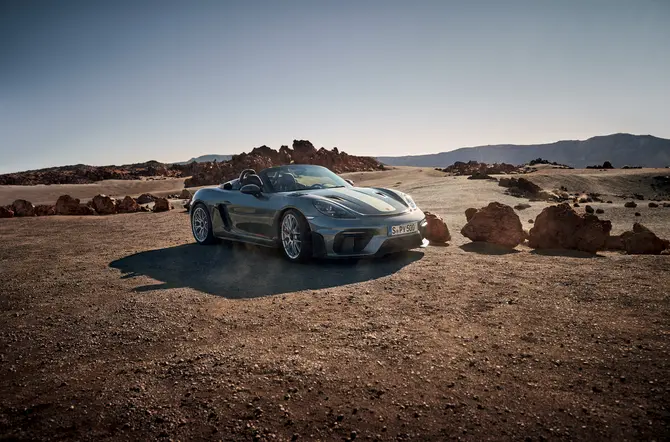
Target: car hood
column 362, row 200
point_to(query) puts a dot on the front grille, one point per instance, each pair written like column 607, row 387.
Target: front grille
column 399, row 244
column 351, row 242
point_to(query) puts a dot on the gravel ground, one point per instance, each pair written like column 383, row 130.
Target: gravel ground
column 122, row 328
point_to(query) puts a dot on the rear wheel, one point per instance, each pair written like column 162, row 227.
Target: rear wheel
column 294, row 233
column 201, row 225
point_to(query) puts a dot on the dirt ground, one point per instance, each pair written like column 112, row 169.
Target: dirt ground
column 121, row 328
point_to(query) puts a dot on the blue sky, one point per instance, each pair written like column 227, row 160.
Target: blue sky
column 111, row 82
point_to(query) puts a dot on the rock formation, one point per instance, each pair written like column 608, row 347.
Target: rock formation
column 66, row 205
column 127, row 205
column 437, row 230
column 560, row 227
column 640, row 241
column 303, row 152
column 45, row 210
column 162, row 205
column 23, row 208
column 6, row 212
column 496, row 224
column 104, row 205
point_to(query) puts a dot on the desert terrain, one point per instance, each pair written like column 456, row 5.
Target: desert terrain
column 122, row 328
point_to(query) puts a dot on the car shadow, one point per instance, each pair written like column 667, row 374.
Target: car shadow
column 484, row 248
column 238, row 271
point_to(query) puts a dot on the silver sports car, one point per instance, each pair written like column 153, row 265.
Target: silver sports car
column 307, row 211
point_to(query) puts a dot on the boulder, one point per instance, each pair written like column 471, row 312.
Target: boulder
column 496, row 224
column 146, row 198
column 522, row 206
column 609, row 202
column 66, row 205
column 589, row 209
column 666, row 205
column 638, row 214
column 45, row 210
column 162, row 205
column 6, row 212
column 469, row 213
column 560, row 227
column 185, row 194
column 600, row 211
column 104, row 205
column 481, row 176
column 531, row 221
column 23, row 208
column 614, row 242
column 653, row 205
column 630, row 204
column 437, row 230
column 127, row 205
column 642, row 241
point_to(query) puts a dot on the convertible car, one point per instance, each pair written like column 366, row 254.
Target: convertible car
column 307, row 211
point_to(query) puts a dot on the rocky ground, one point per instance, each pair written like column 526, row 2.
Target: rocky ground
column 120, row 327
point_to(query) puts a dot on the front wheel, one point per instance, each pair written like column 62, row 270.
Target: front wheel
column 201, row 225
column 295, row 236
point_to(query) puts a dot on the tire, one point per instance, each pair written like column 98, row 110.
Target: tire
column 295, row 239
column 200, row 217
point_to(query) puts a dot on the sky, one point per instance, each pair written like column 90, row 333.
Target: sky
column 115, row 82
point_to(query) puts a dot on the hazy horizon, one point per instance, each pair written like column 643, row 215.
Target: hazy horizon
column 127, row 82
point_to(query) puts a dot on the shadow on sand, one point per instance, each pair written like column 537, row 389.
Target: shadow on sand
column 485, row 248
column 565, row 253
column 239, row 271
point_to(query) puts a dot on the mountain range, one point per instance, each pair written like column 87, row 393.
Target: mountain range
column 619, row 149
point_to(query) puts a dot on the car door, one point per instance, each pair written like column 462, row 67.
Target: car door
column 253, row 216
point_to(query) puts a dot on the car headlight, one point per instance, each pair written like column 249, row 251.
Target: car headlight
column 332, row 210
column 410, row 201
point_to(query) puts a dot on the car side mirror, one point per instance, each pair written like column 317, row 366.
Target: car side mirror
column 251, row 189
column 350, row 182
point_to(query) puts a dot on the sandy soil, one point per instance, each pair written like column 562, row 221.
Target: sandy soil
column 122, row 328
column 42, row 194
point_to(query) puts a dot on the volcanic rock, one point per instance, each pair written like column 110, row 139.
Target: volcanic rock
column 589, row 209
column 127, row 205
column 104, row 205
column 6, row 212
column 480, row 169
column 496, row 224
column 162, row 205
column 469, row 213
column 45, row 210
column 653, row 205
column 523, row 188
column 23, row 208
column 303, row 152
column 66, row 205
column 600, row 211
column 437, row 230
column 630, row 204
column 560, row 227
column 642, row 241
column 185, row 194
column 146, row 198
column 481, row 176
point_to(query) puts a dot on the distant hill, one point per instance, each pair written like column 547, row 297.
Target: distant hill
column 207, row 158
column 619, row 149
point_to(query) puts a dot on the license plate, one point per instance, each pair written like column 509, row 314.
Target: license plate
column 402, row 229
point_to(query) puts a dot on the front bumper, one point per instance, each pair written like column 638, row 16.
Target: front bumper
column 368, row 236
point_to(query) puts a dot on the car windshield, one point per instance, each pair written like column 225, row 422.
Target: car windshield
column 299, row 177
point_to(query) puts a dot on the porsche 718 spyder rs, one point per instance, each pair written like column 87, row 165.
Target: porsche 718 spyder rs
column 307, row 211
